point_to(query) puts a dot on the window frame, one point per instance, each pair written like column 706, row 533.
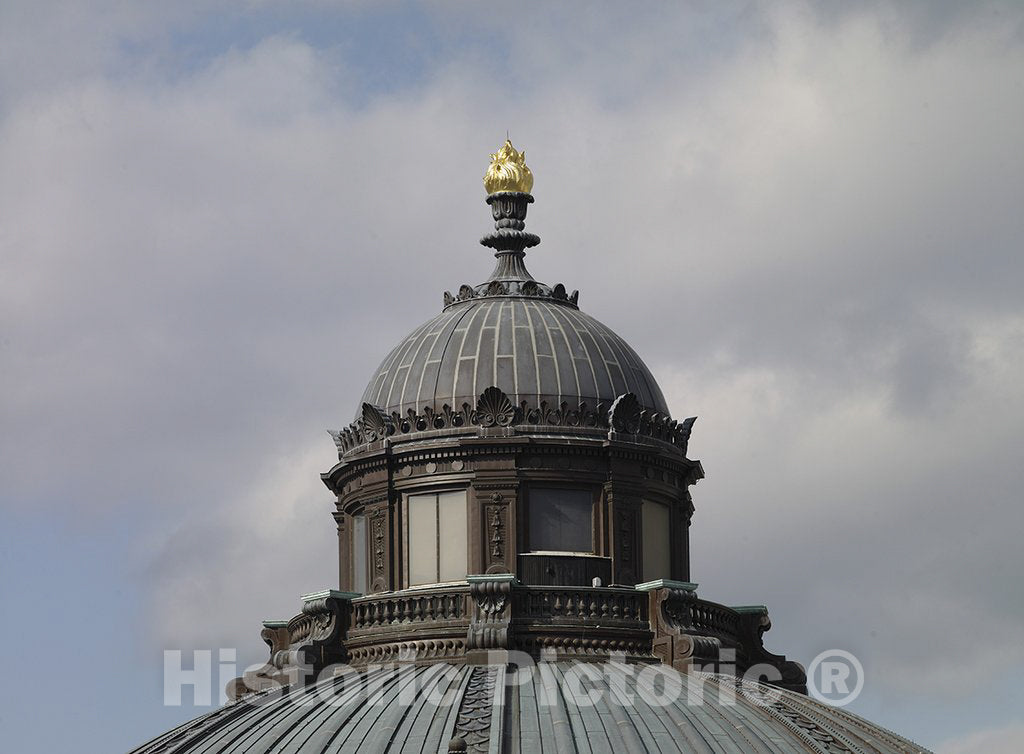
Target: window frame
column 406, row 560
column 353, row 551
column 595, row 498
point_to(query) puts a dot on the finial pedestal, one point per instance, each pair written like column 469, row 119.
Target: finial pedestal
column 509, row 211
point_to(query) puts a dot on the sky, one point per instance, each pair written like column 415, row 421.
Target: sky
column 217, row 218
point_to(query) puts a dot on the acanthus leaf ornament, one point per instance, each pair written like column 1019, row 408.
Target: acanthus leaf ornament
column 493, row 408
column 501, row 288
column 624, row 415
column 683, row 431
column 375, row 424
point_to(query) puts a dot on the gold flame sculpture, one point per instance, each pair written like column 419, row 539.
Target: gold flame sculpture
column 508, row 171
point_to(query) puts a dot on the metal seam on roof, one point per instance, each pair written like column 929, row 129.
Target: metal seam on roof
column 393, row 708
column 447, row 360
column 444, row 350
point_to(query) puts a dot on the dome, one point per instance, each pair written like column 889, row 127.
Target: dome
column 557, row 706
column 513, row 517
column 535, row 349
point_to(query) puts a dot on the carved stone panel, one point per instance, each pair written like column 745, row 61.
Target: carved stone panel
column 379, row 550
column 496, row 528
column 493, row 550
column 623, row 512
column 496, row 522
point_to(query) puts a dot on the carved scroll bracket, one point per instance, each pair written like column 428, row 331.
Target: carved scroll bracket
column 689, row 631
column 303, row 646
column 491, row 622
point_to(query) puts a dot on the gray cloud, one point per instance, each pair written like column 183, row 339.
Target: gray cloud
column 201, row 269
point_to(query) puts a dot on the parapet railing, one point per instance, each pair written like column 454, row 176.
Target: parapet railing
column 466, row 621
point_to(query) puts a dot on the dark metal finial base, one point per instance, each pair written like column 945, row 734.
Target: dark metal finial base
column 509, row 211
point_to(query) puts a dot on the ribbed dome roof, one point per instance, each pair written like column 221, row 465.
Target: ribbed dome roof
column 534, row 349
column 553, row 707
column 512, row 332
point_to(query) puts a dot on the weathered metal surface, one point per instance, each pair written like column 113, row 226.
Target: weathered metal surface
column 532, row 349
column 545, row 707
column 510, row 388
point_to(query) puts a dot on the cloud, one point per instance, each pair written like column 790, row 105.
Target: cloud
column 805, row 221
column 218, row 574
column 999, row 740
column 841, row 512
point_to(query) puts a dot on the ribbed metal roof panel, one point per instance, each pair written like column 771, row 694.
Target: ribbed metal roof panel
column 550, row 707
column 533, row 349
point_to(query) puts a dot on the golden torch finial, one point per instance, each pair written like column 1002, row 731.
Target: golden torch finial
column 508, row 171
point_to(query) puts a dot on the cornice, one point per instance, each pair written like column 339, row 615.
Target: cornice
column 625, row 419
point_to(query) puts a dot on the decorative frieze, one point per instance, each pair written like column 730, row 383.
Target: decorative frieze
column 524, row 288
column 494, row 408
column 472, row 732
column 820, row 733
